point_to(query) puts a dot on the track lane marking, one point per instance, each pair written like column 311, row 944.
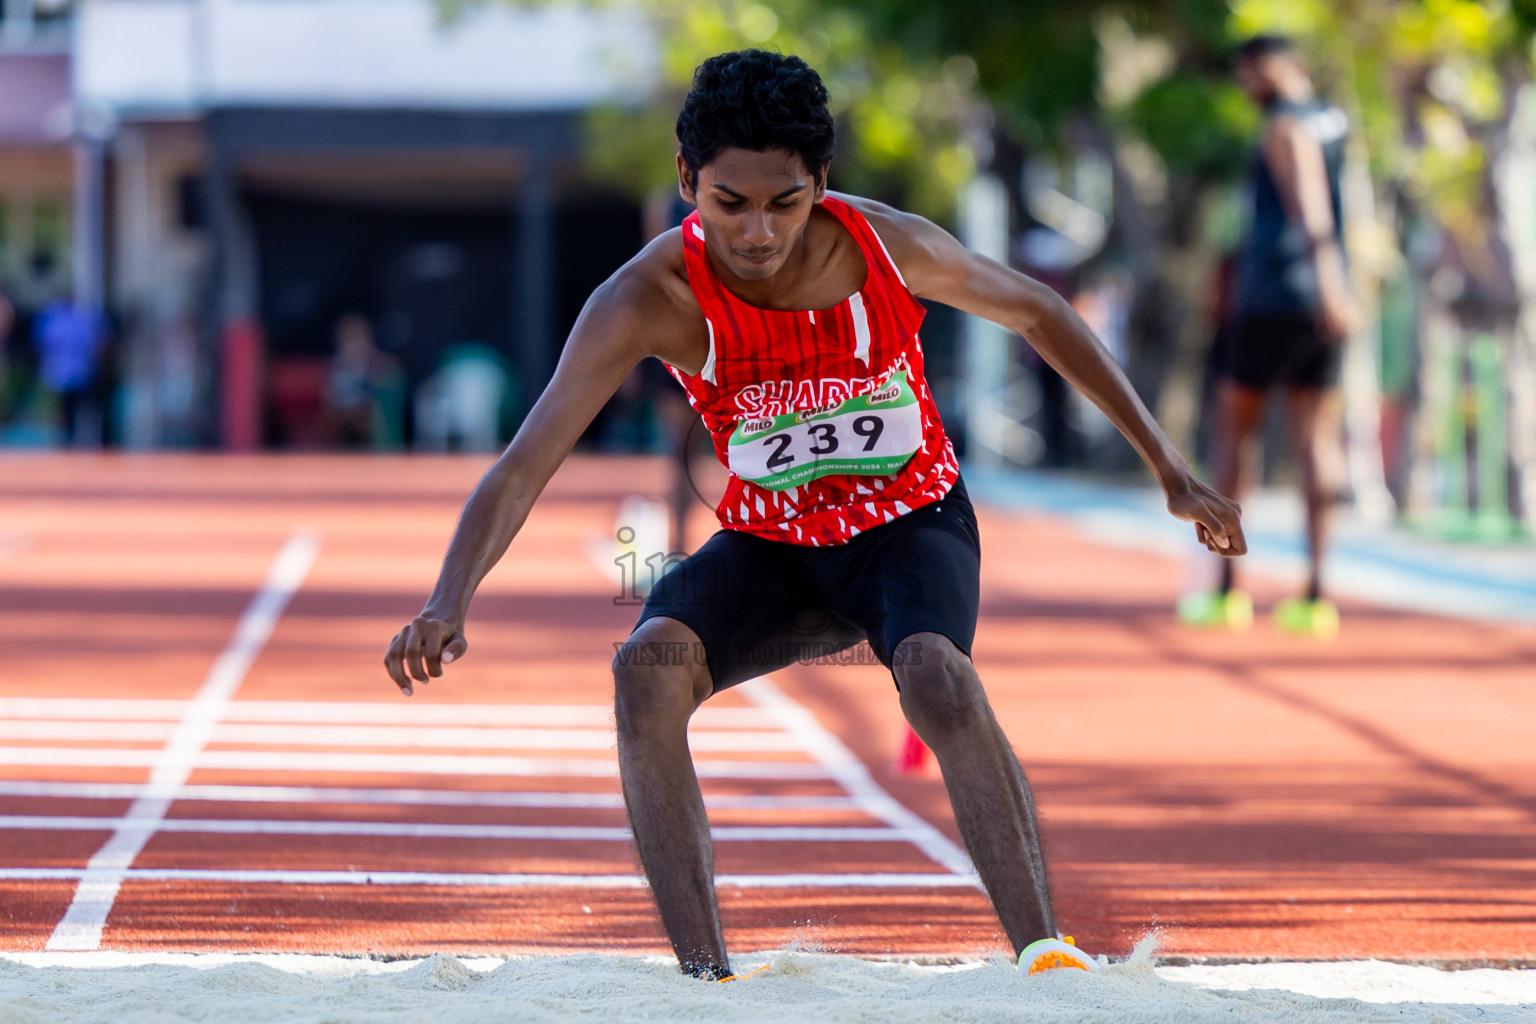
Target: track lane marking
column 14, row 542
column 394, row 712
column 393, row 764
column 81, row 926
column 441, row 830
column 848, row 771
column 867, row 880
column 408, row 797
column 295, row 735
column 832, row 760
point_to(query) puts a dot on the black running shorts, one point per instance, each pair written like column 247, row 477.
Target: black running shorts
column 758, row 605
column 1280, row 349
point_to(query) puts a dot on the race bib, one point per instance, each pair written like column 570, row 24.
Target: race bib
column 871, row 435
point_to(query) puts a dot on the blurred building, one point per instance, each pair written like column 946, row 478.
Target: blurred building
column 35, row 151
column 232, row 178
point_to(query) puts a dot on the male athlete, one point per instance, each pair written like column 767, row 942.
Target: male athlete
column 1290, row 314
column 790, row 316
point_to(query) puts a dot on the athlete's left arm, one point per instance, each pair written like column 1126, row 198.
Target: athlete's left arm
column 936, row 266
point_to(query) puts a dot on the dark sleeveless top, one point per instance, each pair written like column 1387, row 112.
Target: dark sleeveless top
column 1275, row 270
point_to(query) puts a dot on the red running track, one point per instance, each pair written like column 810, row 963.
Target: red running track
column 1246, row 796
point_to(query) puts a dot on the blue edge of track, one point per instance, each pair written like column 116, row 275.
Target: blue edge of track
column 1381, row 565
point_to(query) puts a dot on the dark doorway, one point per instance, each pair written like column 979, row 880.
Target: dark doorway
column 424, row 279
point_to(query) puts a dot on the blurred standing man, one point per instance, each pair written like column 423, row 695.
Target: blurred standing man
column 7, row 321
column 364, row 388
column 7, row 324
column 790, row 316
column 1290, row 314
column 69, row 338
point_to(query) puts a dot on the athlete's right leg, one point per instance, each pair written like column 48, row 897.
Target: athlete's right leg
column 655, row 693
column 736, row 608
column 1241, row 407
column 1304, row 413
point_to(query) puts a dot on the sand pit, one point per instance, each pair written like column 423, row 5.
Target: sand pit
column 233, row 989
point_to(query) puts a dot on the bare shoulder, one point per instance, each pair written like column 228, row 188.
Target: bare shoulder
column 921, row 249
column 896, row 228
column 1286, row 131
column 648, row 299
column 653, row 282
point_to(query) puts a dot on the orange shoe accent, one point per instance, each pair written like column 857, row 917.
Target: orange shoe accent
column 742, row 977
column 1052, row 954
column 1051, row 961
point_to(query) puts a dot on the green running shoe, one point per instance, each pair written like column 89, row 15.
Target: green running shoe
column 1232, row 610
column 1301, row 617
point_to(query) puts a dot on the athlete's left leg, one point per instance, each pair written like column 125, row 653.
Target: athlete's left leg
column 914, row 586
column 943, row 699
column 1241, row 408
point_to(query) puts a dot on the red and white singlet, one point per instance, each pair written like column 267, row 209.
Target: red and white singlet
column 823, row 417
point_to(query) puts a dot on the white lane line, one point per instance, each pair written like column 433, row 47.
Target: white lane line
column 408, row 797
column 82, row 923
column 386, row 711
column 920, row 880
column 14, row 542
column 391, row 764
column 291, row 735
column 436, row 830
column 848, row 771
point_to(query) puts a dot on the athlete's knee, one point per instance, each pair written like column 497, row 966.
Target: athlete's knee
column 940, row 691
column 656, row 682
column 650, row 697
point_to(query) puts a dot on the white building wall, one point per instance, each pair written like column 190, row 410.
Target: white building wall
column 135, row 54
column 166, row 55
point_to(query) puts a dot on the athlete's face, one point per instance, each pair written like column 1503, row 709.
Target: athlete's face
column 753, row 207
column 1260, row 77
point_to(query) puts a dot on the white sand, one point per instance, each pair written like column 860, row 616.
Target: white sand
column 232, row 989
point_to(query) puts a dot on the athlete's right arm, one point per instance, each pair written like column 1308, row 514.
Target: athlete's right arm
column 611, row 336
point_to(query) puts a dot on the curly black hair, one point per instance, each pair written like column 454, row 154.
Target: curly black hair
column 753, row 99
column 1264, row 45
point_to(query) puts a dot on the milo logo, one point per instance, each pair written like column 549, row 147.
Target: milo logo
column 750, row 427
column 820, row 410
column 889, row 394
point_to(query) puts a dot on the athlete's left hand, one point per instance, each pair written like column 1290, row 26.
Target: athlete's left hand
column 1217, row 519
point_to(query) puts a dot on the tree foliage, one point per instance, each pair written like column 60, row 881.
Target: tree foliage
column 902, row 117
column 915, row 84
column 1428, row 82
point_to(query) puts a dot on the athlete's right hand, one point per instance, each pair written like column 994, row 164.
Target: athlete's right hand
column 421, row 649
column 1217, row 518
column 1337, row 315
